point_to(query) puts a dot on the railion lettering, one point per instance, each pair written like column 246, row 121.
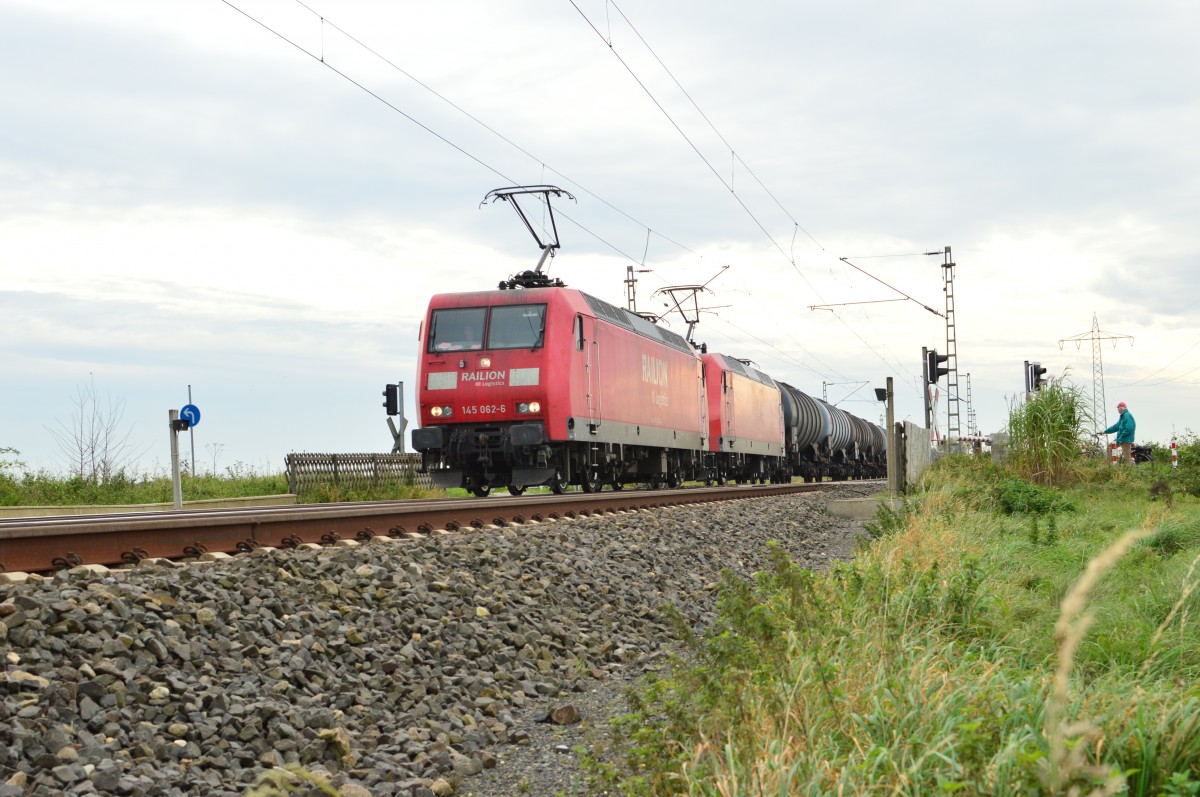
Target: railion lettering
column 654, row 370
column 483, row 376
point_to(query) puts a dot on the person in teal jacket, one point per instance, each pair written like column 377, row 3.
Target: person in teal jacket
column 1124, row 427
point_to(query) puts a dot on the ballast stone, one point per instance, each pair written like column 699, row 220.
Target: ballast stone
column 377, row 665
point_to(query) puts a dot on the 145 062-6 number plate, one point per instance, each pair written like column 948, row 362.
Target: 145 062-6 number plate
column 484, row 409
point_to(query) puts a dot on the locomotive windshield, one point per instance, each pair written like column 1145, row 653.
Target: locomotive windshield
column 457, row 330
column 518, row 326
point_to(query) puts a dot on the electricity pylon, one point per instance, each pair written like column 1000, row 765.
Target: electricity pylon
column 1099, row 405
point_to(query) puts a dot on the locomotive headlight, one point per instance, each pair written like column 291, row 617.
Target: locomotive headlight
column 535, row 406
column 485, row 362
column 526, row 407
column 436, row 412
column 447, row 412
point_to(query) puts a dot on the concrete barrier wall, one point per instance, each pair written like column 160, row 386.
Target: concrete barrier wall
column 918, row 455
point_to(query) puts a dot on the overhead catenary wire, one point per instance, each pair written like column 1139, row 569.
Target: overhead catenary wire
column 392, row 64
column 704, row 116
column 695, row 148
column 321, row 58
column 728, row 184
column 846, row 260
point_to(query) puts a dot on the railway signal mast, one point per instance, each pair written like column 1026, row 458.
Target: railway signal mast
column 953, row 423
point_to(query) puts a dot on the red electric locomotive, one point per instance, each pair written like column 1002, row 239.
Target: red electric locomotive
column 548, row 385
column 536, row 383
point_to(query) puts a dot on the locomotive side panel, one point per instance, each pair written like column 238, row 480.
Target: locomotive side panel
column 648, row 393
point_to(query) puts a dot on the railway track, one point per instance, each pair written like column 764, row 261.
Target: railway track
column 53, row 543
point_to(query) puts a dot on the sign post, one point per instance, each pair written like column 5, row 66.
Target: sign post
column 180, row 421
column 893, row 455
column 176, row 484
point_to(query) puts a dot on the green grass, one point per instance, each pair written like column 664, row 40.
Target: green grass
column 44, row 489
column 41, row 489
column 998, row 637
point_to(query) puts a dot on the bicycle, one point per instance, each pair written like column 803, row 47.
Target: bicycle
column 1138, row 454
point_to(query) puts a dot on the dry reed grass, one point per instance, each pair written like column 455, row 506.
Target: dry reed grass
column 1069, row 743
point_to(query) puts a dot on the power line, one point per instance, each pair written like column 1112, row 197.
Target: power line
column 695, row 148
column 846, row 260
column 704, row 116
column 320, row 58
column 737, row 158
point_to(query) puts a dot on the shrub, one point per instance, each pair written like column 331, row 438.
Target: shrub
column 1018, row 497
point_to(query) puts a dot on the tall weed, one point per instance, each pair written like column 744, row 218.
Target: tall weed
column 1044, row 434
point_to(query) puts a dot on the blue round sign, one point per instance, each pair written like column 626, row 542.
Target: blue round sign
column 190, row 413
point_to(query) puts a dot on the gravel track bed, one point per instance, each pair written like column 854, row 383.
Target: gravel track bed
column 467, row 664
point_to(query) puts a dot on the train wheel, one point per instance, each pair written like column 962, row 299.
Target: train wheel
column 721, row 480
column 558, row 485
column 674, row 480
column 512, row 490
column 589, row 484
column 481, row 490
column 617, row 485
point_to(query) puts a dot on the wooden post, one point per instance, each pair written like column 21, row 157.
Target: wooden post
column 893, row 459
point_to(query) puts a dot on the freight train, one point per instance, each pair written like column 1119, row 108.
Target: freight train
column 535, row 383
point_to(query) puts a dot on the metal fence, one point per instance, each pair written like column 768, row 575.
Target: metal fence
column 354, row 470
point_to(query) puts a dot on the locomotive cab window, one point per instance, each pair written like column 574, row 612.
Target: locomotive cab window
column 579, row 333
column 460, row 329
column 517, row 326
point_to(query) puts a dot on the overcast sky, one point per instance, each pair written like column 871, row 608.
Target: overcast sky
column 262, row 209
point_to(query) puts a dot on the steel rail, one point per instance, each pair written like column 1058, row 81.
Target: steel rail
column 56, row 542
